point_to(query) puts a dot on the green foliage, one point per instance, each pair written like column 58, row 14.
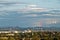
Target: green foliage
column 31, row 36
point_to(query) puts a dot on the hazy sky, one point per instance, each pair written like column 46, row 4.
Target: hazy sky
column 25, row 13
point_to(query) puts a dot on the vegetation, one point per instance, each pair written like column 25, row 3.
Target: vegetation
column 30, row 36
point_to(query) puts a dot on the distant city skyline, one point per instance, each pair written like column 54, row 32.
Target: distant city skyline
column 29, row 13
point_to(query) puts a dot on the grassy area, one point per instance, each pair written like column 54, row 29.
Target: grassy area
column 30, row 36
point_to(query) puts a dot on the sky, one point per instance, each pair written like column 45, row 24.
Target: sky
column 29, row 13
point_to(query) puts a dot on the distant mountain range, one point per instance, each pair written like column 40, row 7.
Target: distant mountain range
column 31, row 28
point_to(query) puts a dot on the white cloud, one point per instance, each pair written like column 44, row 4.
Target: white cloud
column 47, row 14
column 33, row 8
column 31, row 5
column 31, row 15
column 50, row 14
column 25, row 8
column 11, row 5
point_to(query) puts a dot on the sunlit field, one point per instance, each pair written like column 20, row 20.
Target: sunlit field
column 45, row 35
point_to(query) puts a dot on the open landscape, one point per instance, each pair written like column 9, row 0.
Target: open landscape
column 29, row 19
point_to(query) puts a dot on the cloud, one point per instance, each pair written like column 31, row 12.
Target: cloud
column 33, row 8
column 47, row 14
column 36, row 15
column 3, row 18
column 6, row 5
column 12, row 7
column 11, row 3
column 30, row 15
column 9, row 0
column 22, row 7
column 50, row 15
column 31, row 5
